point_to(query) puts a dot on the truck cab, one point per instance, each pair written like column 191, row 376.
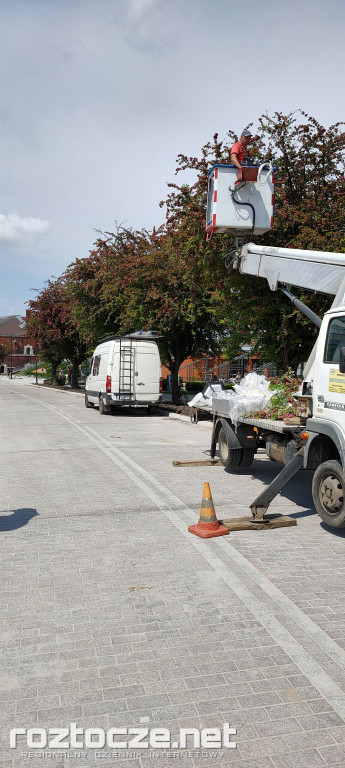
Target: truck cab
column 323, row 395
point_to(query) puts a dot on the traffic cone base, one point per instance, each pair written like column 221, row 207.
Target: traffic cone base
column 205, row 531
column 208, row 526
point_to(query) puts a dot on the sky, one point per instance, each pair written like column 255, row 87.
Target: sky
column 98, row 97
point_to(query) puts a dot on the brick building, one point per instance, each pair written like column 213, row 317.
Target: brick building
column 20, row 348
column 208, row 367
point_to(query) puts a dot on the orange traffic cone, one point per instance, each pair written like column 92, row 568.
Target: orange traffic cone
column 208, row 525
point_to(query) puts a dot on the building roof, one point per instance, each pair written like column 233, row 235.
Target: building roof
column 12, row 325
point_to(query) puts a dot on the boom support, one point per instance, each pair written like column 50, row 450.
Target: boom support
column 315, row 270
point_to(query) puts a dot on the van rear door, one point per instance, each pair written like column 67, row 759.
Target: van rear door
column 147, row 371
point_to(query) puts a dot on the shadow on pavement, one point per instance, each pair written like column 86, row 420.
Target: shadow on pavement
column 336, row 531
column 128, row 411
column 17, row 519
column 305, row 513
column 298, row 490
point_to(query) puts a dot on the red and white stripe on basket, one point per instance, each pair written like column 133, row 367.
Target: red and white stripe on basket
column 215, row 193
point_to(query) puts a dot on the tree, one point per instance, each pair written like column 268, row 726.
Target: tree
column 309, row 214
column 158, row 281
column 85, row 281
column 3, row 353
column 51, row 326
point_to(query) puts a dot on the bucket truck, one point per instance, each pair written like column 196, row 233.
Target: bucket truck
column 318, row 441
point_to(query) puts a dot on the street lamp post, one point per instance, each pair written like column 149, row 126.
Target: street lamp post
column 11, row 353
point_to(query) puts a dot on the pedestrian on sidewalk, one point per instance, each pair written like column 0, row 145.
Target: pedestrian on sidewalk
column 61, row 377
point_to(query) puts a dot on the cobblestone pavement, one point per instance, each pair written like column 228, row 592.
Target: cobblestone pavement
column 114, row 616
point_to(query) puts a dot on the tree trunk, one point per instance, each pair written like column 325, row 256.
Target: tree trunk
column 174, row 381
column 284, row 356
column 75, row 374
column 54, row 368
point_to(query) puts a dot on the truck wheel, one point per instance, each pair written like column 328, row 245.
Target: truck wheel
column 87, row 402
column 247, row 457
column 102, row 408
column 328, row 490
column 229, row 457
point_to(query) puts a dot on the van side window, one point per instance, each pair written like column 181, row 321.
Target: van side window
column 335, row 340
column 96, row 362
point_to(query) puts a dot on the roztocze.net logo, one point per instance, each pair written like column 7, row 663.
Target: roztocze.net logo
column 115, row 738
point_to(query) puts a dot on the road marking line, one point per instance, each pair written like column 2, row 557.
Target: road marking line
column 322, row 681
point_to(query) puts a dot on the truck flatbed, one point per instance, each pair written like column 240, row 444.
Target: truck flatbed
column 271, row 425
column 220, row 408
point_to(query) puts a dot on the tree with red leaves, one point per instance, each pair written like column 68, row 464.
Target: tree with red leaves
column 153, row 281
column 309, row 214
column 3, row 353
column 51, row 326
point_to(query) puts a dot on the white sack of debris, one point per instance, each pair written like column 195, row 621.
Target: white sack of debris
column 250, row 395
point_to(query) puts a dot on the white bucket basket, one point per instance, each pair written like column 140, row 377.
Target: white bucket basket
column 240, row 199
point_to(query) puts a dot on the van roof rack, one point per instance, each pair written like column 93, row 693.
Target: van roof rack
column 143, row 335
column 138, row 336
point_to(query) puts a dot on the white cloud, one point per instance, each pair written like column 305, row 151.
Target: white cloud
column 144, row 26
column 19, row 230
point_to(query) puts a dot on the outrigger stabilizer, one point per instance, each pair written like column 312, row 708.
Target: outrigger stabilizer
column 260, row 505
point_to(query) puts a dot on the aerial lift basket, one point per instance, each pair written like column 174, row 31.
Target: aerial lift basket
column 240, row 200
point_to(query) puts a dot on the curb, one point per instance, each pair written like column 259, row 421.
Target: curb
column 180, row 417
column 55, row 389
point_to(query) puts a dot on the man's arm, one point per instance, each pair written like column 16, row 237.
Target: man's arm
column 234, row 160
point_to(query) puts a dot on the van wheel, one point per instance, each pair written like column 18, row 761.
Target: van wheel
column 229, row 457
column 102, row 408
column 328, row 490
column 87, row 402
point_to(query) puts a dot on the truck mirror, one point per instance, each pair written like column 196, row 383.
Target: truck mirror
column 342, row 360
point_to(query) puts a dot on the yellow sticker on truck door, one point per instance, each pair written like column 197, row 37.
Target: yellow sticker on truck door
column 336, row 381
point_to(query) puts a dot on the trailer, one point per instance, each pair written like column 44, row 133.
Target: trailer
column 318, row 441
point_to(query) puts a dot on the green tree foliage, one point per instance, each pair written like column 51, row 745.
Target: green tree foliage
column 85, row 281
column 309, row 214
column 51, row 326
column 153, row 281
column 3, row 353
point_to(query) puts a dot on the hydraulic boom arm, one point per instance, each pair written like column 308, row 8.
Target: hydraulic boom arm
column 315, row 270
column 282, row 267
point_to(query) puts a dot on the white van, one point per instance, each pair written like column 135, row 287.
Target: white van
column 125, row 370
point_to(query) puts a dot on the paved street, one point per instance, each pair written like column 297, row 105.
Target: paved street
column 114, row 616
